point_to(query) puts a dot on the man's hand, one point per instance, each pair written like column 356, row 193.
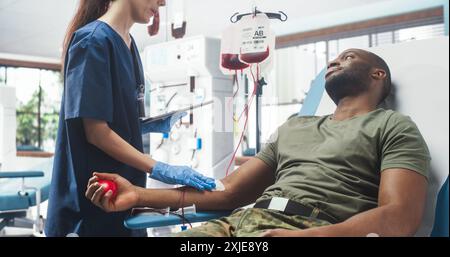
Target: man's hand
column 126, row 198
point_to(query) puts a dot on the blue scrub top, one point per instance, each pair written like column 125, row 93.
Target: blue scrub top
column 100, row 83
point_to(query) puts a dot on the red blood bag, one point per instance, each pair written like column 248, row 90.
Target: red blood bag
column 229, row 52
column 232, row 62
column 178, row 20
column 256, row 57
column 180, row 31
column 153, row 29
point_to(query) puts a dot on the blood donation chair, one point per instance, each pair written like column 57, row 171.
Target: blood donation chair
column 19, row 192
column 421, row 83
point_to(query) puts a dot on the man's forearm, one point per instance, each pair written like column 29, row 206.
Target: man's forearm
column 242, row 187
column 384, row 221
column 203, row 200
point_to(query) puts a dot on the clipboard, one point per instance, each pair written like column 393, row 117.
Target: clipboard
column 161, row 117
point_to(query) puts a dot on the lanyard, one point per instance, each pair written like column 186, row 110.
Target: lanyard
column 140, row 86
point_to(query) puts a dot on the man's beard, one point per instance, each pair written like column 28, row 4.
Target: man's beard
column 348, row 83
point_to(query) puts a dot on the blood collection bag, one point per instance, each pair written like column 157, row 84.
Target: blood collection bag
column 153, row 28
column 248, row 46
column 178, row 26
column 263, row 68
column 229, row 52
column 180, row 31
column 257, row 39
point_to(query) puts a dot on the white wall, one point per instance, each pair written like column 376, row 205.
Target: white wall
column 7, row 125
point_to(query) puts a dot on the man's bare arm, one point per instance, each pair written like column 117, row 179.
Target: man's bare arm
column 401, row 203
column 242, row 187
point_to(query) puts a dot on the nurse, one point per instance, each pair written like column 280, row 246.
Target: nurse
column 99, row 127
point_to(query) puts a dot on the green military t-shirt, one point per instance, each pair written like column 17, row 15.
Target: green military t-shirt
column 336, row 165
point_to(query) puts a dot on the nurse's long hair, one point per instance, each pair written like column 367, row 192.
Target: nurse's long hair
column 88, row 11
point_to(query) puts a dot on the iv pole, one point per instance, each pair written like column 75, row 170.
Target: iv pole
column 235, row 18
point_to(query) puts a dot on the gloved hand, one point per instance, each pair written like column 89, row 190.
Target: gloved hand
column 162, row 126
column 182, row 175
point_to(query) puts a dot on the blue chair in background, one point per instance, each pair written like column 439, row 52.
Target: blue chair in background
column 19, row 191
column 440, row 227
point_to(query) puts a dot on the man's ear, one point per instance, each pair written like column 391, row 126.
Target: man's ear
column 378, row 74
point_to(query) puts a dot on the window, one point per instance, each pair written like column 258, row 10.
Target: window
column 38, row 97
column 384, row 38
column 418, row 33
column 307, row 60
column 50, row 104
column 353, row 42
column 2, row 75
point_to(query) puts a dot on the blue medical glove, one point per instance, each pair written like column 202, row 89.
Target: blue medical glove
column 182, row 175
column 162, row 126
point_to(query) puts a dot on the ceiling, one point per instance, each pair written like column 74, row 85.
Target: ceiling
column 36, row 28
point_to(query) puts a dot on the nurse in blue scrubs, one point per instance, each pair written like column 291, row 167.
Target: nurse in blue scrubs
column 99, row 128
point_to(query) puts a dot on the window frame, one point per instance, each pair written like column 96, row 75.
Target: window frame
column 373, row 26
column 38, row 113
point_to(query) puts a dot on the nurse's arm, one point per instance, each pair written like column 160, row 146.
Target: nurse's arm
column 99, row 134
column 242, row 187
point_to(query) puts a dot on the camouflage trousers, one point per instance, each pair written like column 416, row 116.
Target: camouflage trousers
column 251, row 222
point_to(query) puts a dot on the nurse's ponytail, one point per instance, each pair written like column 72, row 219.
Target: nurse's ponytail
column 88, row 11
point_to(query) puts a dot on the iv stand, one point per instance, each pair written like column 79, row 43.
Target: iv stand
column 259, row 93
column 235, row 18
